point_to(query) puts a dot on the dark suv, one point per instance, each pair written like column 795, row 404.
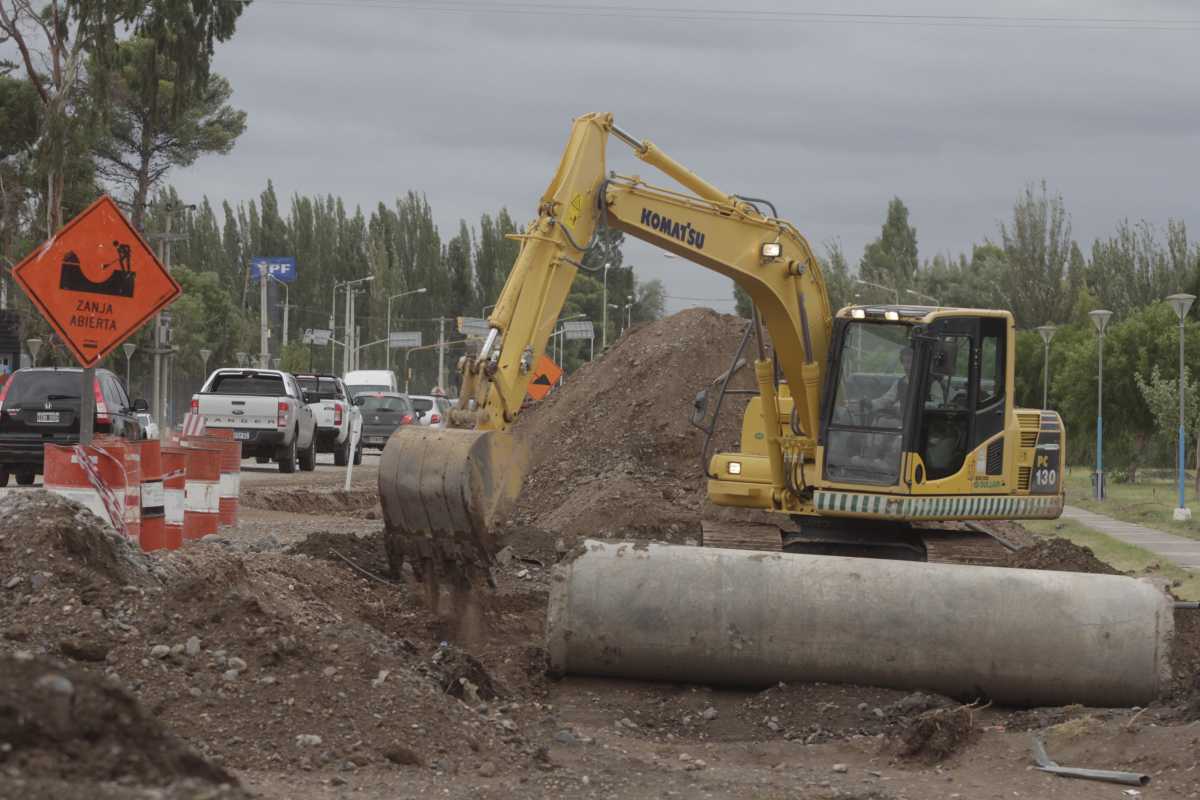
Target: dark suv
column 41, row 405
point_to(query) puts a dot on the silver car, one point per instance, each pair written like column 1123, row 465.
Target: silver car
column 430, row 410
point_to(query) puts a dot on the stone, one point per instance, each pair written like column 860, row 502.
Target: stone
column 523, row 574
column 53, row 682
column 192, row 646
column 710, row 713
column 84, row 649
column 308, row 740
column 230, row 675
column 628, row 723
column 841, row 768
column 38, row 581
column 399, row 754
column 236, row 663
column 565, row 737
column 13, row 582
column 160, row 651
column 487, row 769
column 505, row 556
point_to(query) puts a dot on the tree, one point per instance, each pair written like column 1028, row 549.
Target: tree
column 1133, row 269
column 494, row 255
column 1161, row 394
column 1042, row 259
column 651, row 301
column 891, row 260
column 839, row 283
column 151, row 130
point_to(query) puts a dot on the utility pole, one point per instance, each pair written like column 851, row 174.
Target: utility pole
column 604, row 306
column 333, row 327
column 442, row 353
column 157, row 387
column 264, row 330
column 349, row 345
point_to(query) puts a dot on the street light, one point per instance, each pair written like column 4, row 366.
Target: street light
column 129, row 348
column 351, row 287
column 915, row 293
column 604, row 306
column 242, row 358
column 1181, row 303
column 881, row 287
column 34, row 346
column 1047, row 333
column 205, row 354
column 1100, row 318
column 422, row 290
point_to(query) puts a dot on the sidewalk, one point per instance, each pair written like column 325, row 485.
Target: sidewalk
column 1182, row 551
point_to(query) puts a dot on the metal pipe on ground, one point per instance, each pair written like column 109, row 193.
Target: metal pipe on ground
column 728, row 617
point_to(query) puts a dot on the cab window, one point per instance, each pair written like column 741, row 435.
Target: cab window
column 991, row 362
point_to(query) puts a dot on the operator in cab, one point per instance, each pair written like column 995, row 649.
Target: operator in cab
column 890, row 404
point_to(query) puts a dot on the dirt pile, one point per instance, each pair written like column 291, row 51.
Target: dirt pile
column 933, row 735
column 1061, row 555
column 61, row 722
column 359, row 501
column 261, row 660
column 612, row 450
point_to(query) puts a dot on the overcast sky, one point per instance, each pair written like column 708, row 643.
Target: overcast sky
column 470, row 102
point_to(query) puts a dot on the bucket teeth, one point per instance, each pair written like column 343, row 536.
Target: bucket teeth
column 442, row 492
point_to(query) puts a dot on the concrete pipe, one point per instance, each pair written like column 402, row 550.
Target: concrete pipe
column 729, row 617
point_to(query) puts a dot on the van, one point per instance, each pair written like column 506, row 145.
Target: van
column 370, row 380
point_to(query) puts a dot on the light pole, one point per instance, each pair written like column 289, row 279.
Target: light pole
column 881, row 287
column 628, row 312
column 1100, row 317
column 388, row 332
column 205, row 354
column 1047, row 333
column 915, row 293
column 604, row 306
column 129, row 348
column 351, row 287
column 34, row 346
column 242, row 358
column 1181, row 303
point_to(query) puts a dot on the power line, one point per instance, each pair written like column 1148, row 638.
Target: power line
column 706, row 14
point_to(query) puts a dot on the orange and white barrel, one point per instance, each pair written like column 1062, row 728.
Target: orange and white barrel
column 64, row 475
column 130, row 455
column 202, row 492
column 153, row 531
column 174, row 468
column 231, row 469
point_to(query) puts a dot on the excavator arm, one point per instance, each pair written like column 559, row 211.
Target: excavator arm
column 442, row 490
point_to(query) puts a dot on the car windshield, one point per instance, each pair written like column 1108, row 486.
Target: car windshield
column 319, row 388
column 26, row 388
column 248, row 383
column 386, row 404
column 364, row 388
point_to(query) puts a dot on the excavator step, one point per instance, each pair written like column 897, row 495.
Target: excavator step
column 741, row 536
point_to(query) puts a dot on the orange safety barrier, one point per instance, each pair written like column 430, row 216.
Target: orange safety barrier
column 63, row 475
column 231, row 469
column 131, row 457
column 202, row 487
column 153, row 531
column 174, row 468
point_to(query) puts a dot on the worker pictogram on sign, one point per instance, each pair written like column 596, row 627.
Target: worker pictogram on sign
column 96, row 282
column 545, row 374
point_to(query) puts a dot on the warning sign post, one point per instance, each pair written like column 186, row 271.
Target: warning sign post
column 545, row 374
column 95, row 282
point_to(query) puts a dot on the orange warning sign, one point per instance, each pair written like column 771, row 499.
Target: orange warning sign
column 545, row 374
column 96, row 281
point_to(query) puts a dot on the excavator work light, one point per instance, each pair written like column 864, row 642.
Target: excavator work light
column 858, row 313
column 735, row 468
column 891, row 315
column 772, row 250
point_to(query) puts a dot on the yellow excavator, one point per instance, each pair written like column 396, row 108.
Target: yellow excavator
column 865, row 425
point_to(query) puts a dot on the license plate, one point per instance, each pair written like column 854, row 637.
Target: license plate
column 241, row 434
column 48, row 416
column 376, row 439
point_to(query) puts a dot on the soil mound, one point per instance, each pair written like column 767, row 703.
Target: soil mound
column 312, row 501
column 936, row 734
column 613, row 450
column 364, row 552
column 1061, row 555
column 62, row 722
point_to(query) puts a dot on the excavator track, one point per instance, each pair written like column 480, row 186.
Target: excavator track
column 964, row 543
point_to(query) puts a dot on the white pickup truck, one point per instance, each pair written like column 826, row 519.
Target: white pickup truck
column 268, row 412
column 336, row 416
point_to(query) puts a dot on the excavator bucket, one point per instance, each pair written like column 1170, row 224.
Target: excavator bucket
column 442, row 491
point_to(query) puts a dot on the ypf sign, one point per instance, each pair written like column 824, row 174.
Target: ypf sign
column 96, row 282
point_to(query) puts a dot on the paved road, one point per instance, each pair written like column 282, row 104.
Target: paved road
column 1178, row 549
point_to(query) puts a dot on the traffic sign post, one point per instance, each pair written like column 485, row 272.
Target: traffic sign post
column 398, row 339
column 473, row 327
column 95, row 282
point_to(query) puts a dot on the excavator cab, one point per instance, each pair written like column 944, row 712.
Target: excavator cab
column 913, row 380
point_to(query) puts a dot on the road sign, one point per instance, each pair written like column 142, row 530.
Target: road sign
column 96, row 282
column 280, row 268
column 578, row 329
column 545, row 374
column 404, row 339
column 318, row 336
column 473, row 326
